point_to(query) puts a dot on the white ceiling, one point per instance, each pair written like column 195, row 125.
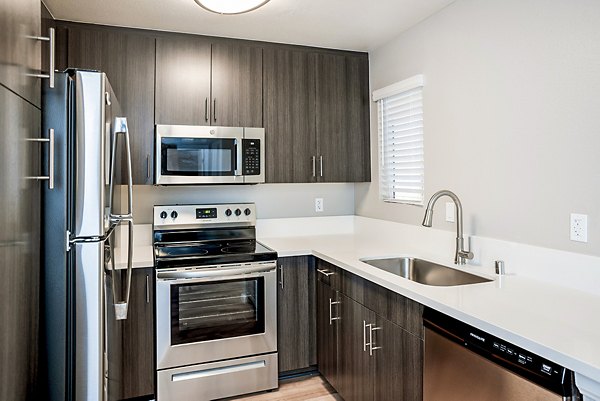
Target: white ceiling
column 342, row 24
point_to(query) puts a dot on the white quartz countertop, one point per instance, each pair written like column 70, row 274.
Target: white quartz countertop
column 559, row 323
column 553, row 319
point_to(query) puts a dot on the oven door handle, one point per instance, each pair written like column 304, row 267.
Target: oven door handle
column 213, row 273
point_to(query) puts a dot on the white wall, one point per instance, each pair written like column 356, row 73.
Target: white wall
column 272, row 200
column 512, row 117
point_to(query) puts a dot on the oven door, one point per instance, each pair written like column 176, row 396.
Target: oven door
column 214, row 313
column 198, row 155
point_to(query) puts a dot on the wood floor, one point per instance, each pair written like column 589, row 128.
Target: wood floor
column 312, row 388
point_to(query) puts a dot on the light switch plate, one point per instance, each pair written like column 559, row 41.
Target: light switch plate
column 450, row 211
column 319, row 205
column 579, row 227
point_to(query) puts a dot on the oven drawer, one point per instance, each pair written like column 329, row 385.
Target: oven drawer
column 215, row 380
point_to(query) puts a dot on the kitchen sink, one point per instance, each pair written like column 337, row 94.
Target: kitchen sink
column 425, row 272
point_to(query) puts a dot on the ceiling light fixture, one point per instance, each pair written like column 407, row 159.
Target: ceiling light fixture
column 231, row 7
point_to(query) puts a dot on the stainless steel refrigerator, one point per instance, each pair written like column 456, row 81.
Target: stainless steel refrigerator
column 84, row 299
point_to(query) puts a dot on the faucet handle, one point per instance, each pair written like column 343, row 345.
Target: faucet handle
column 466, row 254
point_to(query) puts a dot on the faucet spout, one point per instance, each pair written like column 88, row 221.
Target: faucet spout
column 461, row 255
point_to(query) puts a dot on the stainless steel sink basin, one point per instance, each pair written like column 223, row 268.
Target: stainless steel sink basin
column 425, row 272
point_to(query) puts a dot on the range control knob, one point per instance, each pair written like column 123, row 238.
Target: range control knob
column 163, row 215
column 238, row 212
column 247, row 212
column 174, row 214
column 228, row 212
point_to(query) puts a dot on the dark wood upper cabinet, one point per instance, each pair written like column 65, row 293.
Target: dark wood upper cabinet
column 183, row 81
column 313, row 103
column 237, row 85
column 127, row 58
column 199, row 83
column 342, row 118
column 295, row 296
column 289, row 95
column 19, row 54
column 138, row 367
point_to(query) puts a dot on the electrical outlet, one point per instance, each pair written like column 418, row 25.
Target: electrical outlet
column 319, row 205
column 450, row 210
column 579, row 227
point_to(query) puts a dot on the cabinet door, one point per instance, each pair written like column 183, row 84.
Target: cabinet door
column 19, row 246
column 342, row 118
column 20, row 55
column 289, row 91
column 138, row 337
column 237, row 85
column 128, row 60
column 357, row 119
column 398, row 363
column 356, row 367
column 327, row 333
column 182, row 81
column 293, row 312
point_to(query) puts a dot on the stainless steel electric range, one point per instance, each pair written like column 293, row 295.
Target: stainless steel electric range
column 216, row 303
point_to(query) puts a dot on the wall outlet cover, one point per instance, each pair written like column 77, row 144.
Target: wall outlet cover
column 319, row 205
column 579, row 227
column 450, row 212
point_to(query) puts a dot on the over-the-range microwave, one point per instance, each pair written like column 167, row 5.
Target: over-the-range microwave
column 209, row 155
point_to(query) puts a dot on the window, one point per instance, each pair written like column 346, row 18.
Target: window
column 400, row 125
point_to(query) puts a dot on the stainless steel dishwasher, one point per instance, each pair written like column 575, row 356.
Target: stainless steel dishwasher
column 467, row 364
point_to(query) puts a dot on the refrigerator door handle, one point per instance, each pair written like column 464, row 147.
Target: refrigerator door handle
column 120, row 128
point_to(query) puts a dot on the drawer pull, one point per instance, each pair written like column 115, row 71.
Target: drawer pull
column 326, row 273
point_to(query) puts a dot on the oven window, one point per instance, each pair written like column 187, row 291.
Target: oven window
column 198, row 156
column 216, row 310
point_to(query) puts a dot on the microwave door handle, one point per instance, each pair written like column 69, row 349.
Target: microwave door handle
column 238, row 158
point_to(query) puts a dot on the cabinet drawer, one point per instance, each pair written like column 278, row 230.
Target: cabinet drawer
column 329, row 274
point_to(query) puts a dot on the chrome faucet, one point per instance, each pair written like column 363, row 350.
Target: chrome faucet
column 461, row 255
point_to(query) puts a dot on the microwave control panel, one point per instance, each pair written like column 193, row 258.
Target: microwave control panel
column 251, row 157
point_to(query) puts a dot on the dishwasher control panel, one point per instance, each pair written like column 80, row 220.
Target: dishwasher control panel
column 516, row 359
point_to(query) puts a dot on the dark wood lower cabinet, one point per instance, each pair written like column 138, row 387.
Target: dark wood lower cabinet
column 364, row 355
column 398, row 364
column 295, row 326
column 355, row 367
column 138, row 367
column 327, row 333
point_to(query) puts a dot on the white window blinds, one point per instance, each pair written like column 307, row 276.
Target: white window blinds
column 400, row 122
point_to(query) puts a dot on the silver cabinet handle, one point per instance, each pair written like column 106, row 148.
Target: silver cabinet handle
column 321, row 165
column 206, row 109
column 314, row 165
column 147, row 289
column 331, row 318
column 371, row 347
column 52, row 48
column 364, row 336
column 326, row 273
column 50, row 176
column 281, row 276
column 215, row 109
